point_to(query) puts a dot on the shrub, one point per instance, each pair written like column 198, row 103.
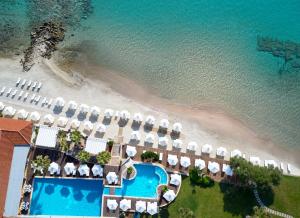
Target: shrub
column 149, row 156
column 164, row 189
column 195, row 176
column 206, row 181
column 110, row 143
column 103, row 157
column 83, row 156
column 129, row 170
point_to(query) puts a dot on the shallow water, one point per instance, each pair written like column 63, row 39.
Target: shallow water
column 196, row 52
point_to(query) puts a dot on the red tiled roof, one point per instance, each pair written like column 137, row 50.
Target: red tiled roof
column 12, row 132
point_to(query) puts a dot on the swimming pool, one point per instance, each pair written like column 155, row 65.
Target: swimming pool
column 72, row 197
column 148, row 178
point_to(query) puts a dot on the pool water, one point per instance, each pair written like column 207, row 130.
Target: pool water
column 148, row 178
column 72, row 197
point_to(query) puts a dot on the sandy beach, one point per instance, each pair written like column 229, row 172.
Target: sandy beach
column 109, row 90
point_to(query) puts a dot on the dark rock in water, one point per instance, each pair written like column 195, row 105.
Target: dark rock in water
column 44, row 40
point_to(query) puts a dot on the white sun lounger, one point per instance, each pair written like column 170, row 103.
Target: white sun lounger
column 23, row 82
column 281, row 166
column 26, row 95
column 39, row 86
column 161, row 156
column 18, row 81
column 32, row 97
column 2, row 90
column 289, row 168
column 34, row 85
column 20, row 94
column 37, row 99
column 8, row 91
column 14, row 93
column 50, row 102
column 29, row 83
column 44, row 100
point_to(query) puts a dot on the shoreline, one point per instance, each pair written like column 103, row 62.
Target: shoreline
column 203, row 125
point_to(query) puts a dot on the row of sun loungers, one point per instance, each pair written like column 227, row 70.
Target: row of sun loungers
column 34, row 85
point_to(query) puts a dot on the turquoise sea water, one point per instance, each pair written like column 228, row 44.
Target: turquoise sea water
column 194, row 52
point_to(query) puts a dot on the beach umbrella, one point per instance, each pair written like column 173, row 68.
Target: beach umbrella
column 135, row 135
column 169, row 195
column 149, row 138
column 84, row 170
column 111, row 178
column 35, row 116
column 138, row 117
column 9, row 111
column 163, row 141
column 108, row 113
column 84, row 108
column 164, row 123
column 112, row 204
column 175, row 179
column 75, row 124
column 24, row 205
column 54, row 168
column 131, row 151
column 125, row 204
column 152, row 208
column 192, row 146
column 1, row 106
column 62, row 121
column 59, row 102
column 185, row 161
column 254, row 160
column 27, row 188
column 22, row 114
column 70, row 168
column 48, row 119
column 101, row 128
column 87, row 125
column 140, row 206
column 213, row 167
column 221, row 151
column 199, row 163
column 97, row 170
column 207, row 148
column 172, row 159
column 177, row 127
column 236, row 153
column 72, row 105
column 227, row 170
column 124, row 115
column 150, row 120
column 177, row 143
column 95, row 111
column 269, row 163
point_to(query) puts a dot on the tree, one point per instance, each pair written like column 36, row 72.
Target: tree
column 185, row 213
column 103, row 157
column 198, row 178
column 260, row 213
column 83, row 156
column 76, row 136
column 129, row 170
column 62, row 138
column 41, row 163
column 149, row 156
column 164, row 189
column 110, row 143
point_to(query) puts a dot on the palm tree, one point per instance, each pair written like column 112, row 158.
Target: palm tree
column 41, row 163
column 83, row 156
column 76, row 136
column 103, row 157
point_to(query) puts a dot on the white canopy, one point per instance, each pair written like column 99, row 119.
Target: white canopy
column 84, row 108
column 138, row 117
column 152, row 208
column 227, row 170
column 87, row 125
column 177, row 143
column 177, row 127
column 149, row 138
column 140, row 206
column 111, row 178
column 169, row 195
column 192, row 146
column 131, row 151
column 150, row 120
column 199, row 163
column 62, row 121
column 236, row 153
column 70, row 168
column 207, row 148
column 124, row 115
column 213, row 167
column 101, row 128
column 35, row 116
column 221, row 151
column 163, row 141
column 75, row 124
column 108, row 113
column 269, row 163
column 172, row 159
column 22, row 114
column 112, row 204
column 72, row 105
column 1, row 106
column 135, row 135
column 164, row 123
column 59, row 102
column 54, row 168
column 48, row 119
column 83, row 169
column 175, row 179
column 185, row 161
column 95, row 111
column 9, row 111
column 97, row 170
column 125, row 204
column 254, row 160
